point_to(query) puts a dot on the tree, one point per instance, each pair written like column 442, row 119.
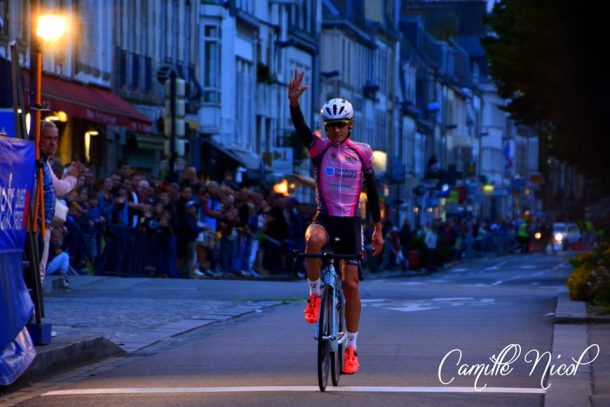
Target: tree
column 546, row 57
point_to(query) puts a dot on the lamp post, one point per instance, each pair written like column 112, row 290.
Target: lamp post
column 48, row 28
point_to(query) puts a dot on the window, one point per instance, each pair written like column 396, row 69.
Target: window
column 121, row 55
column 148, row 84
column 175, row 31
column 135, row 71
column 243, row 101
column 245, row 5
column 211, row 62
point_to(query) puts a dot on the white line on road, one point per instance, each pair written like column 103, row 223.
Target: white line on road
column 270, row 389
column 452, row 298
column 496, row 267
column 562, row 265
column 528, row 267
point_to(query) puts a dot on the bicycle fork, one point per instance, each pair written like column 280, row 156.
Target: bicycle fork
column 330, row 281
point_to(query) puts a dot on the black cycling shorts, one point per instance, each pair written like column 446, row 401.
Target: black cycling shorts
column 344, row 234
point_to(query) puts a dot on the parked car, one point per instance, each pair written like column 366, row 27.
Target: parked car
column 565, row 234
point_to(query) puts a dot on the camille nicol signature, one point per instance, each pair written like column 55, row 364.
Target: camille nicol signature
column 544, row 364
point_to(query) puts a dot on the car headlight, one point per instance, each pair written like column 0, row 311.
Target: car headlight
column 537, row 235
column 558, row 237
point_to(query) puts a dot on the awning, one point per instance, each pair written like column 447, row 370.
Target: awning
column 243, row 157
column 91, row 103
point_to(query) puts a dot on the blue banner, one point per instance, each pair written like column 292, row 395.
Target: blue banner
column 17, row 169
column 7, row 122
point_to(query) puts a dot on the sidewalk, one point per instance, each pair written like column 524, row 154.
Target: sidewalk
column 575, row 331
column 106, row 316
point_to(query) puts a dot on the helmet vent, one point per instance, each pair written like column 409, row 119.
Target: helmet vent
column 341, row 110
column 334, row 109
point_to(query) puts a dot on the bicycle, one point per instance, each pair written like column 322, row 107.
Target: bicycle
column 330, row 330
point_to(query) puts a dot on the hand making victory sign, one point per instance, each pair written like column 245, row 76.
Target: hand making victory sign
column 295, row 88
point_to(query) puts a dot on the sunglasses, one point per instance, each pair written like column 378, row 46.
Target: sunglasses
column 338, row 124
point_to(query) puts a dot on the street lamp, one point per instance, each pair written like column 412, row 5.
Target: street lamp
column 49, row 28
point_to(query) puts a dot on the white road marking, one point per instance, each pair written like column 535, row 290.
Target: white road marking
column 411, row 308
column 453, row 299
column 562, row 265
column 528, row 267
column 272, row 389
column 458, row 270
column 496, row 267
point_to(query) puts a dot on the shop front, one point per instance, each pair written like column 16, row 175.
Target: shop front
column 93, row 122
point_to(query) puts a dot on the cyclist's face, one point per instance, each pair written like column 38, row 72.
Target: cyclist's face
column 337, row 132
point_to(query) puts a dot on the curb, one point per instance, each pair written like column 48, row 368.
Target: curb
column 54, row 285
column 58, row 357
column 574, row 312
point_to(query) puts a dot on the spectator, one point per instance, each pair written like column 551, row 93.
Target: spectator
column 53, row 186
column 227, row 180
column 59, row 261
column 167, row 247
column 189, row 178
column 190, row 230
column 405, row 241
column 180, row 224
column 431, row 243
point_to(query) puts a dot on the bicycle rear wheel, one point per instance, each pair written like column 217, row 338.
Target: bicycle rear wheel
column 336, row 365
column 324, row 332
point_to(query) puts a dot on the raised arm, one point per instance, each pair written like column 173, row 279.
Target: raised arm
column 295, row 90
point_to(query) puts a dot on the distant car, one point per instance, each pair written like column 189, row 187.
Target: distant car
column 565, row 234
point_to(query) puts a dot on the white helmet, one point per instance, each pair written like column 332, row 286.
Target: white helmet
column 337, row 109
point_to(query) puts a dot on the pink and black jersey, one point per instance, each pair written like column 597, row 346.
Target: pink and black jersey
column 339, row 170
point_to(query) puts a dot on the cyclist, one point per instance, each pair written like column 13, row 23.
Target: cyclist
column 340, row 165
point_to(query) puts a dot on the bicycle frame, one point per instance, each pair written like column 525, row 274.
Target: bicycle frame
column 330, row 277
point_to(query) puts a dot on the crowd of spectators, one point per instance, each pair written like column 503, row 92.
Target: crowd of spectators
column 130, row 224
column 457, row 239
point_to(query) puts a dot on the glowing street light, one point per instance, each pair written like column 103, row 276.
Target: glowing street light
column 51, row 27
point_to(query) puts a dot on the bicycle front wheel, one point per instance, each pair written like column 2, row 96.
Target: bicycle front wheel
column 337, row 356
column 324, row 333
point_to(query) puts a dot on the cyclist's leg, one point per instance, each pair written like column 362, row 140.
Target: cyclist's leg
column 351, row 291
column 316, row 238
column 352, row 316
